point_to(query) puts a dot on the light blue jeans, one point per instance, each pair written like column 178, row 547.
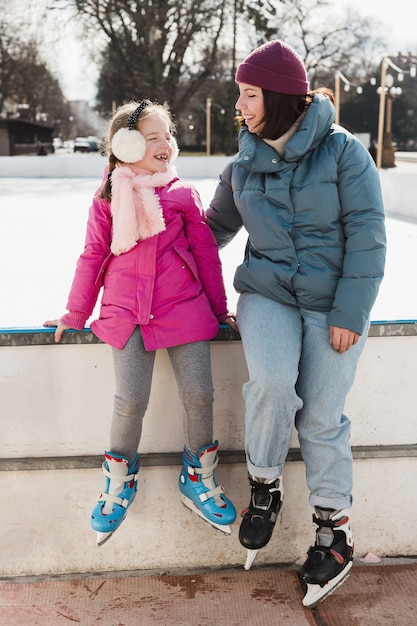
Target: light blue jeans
column 296, row 378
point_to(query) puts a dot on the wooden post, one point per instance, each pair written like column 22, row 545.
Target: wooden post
column 337, row 97
column 381, row 114
column 208, row 126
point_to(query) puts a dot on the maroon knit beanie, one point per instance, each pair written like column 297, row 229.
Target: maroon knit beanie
column 274, row 66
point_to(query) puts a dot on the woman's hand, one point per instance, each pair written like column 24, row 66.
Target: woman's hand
column 231, row 321
column 60, row 327
column 342, row 339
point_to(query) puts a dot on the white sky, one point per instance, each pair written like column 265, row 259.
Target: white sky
column 397, row 17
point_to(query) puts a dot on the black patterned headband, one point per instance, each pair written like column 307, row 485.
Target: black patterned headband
column 133, row 117
column 130, row 147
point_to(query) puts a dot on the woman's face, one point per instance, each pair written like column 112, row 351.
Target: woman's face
column 251, row 106
column 156, row 131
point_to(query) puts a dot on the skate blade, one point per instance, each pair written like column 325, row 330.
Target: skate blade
column 226, row 529
column 103, row 537
column 250, row 557
column 316, row 593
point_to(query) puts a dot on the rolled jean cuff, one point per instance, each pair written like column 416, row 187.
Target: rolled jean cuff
column 336, row 504
column 269, row 473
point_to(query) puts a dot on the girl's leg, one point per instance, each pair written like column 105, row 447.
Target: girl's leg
column 271, row 339
column 133, row 367
column 323, row 430
column 192, row 367
column 197, row 483
column 133, row 374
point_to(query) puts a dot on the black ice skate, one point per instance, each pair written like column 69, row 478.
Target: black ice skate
column 259, row 518
column 330, row 559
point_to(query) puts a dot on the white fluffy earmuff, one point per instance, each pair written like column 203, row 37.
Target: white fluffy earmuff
column 128, row 144
column 175, row 149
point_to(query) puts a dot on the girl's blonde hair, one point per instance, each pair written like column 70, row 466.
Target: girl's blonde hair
column 120, row 120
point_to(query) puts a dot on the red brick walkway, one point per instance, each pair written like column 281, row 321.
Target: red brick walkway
column 373, row 595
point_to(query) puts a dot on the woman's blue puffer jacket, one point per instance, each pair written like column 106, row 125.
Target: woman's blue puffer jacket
column 315, row 219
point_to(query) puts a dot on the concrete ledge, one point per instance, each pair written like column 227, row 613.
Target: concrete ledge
column 41, row 336
column 163, row 459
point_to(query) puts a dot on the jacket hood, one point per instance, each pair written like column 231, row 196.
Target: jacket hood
column 313, row 128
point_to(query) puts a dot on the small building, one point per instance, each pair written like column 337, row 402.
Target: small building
column 18, row 136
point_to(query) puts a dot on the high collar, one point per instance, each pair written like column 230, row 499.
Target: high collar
column 255, row 154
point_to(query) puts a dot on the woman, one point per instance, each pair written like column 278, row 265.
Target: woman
column 308, row 194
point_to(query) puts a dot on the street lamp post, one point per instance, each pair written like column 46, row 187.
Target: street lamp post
column 347, row 85
column 385, row 154
column 388, row 152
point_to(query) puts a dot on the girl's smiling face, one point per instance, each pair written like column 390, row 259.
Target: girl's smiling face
column 156, row 131
column 251, row 106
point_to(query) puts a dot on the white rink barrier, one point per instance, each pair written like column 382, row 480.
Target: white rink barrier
column 399, row 184
column 56, row 404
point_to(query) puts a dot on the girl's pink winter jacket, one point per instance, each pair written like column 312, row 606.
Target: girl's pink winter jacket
column 170, row 284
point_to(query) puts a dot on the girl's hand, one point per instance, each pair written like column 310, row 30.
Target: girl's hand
column 231, row 321
column 59, row 330
column 342, row 339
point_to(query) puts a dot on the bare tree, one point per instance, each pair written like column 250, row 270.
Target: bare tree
column 7, row 89
column 26, row 79
column 329, row 39
column 149, row 47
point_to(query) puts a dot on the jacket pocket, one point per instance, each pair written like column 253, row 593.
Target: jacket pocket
column 189, row 260
column 100, row 276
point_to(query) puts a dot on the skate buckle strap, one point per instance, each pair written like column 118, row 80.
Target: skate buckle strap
column 269, row 514
column 326, row 550
column 329, row 523
column 205, row 472
column 107, row 497
column 211, row 493
column 118, row 478
column 263, row 501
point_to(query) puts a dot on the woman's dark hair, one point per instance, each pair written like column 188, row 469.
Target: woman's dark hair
column 282, row 110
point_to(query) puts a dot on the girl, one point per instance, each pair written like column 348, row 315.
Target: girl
column 148, row 244
column 308, row 194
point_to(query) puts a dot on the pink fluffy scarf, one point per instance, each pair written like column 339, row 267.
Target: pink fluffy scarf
column 137, row 213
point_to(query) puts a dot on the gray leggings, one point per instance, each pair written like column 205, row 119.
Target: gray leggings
column 133, row 368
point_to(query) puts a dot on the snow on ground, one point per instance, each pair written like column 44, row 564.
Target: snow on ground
column 42, row 226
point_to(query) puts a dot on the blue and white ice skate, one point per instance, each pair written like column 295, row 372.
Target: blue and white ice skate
column 200, row 491
column 118, row 495
column 329, row 561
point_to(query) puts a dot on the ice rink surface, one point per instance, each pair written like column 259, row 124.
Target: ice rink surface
column 42, row 226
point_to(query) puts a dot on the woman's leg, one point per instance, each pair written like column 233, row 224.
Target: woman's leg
column 271, row 339
column 325, row 379
column 133, row 367
column 192, row 367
